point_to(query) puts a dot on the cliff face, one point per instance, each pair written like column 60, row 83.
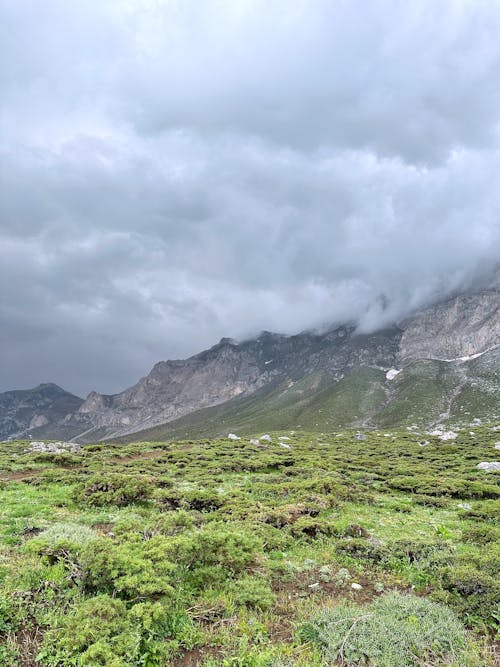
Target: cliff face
column 464, row 326
column 453, row 334
column 25, row 410
column 226, row 371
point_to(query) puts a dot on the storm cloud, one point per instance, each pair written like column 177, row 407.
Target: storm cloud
column 177, row 171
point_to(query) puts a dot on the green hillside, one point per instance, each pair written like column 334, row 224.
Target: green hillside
column 424, row 393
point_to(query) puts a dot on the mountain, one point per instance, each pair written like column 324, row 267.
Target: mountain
column 24, row 410
column 441, row 365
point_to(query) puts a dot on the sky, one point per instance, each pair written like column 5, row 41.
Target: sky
column 175, row 171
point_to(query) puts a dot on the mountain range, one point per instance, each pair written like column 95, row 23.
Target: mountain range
column 439, row 366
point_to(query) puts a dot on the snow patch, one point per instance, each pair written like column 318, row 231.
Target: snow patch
column 391, row 374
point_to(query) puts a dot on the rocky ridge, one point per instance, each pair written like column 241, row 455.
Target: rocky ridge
column 451, row 348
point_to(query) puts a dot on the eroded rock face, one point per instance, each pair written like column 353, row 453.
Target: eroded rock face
column 22, row 410
column 457, row 329
column 462, row 332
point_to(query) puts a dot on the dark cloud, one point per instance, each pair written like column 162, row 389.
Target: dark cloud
column 176, row 172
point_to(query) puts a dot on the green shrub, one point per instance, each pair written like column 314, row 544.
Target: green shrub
column 443, row 486
column 131, row 569
column 252, row 592
column 196, row 499
column 71, row 537
column 474, row 594
column 422, row 552
column 8, row 613
column 393, row 631
column 312, row 527
column 486, row 510
column 482, row 534
column 101, row 631
column 113, row 489
column 359, row 548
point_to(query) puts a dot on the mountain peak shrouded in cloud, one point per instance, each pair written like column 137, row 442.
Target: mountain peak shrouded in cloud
column 172, row 173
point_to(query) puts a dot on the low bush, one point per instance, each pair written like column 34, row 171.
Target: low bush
column 481, row 534
column 101, row 631
column 394, row 631
column 253, row 592
column 113, row 489
column 359, row 548
column 132, row 569
column 474, row 594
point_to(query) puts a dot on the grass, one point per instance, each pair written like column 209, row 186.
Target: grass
column 226, row 553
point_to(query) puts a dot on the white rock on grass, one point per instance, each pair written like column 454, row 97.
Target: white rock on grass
column 444, row 435
column 266, row 437
column 284, row 445
column 497, row 445
column 233, row 436
column 254, row 441
column 283, row 437
column 53, row 447
column 391, row 374
column 356, row 587
column 488, row 466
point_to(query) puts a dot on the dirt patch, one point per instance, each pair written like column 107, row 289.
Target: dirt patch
column 21, row 475
column 154, row 454
column 28, row 641
column 194, row 657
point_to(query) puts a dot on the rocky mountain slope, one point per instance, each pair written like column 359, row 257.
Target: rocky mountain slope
column 440, row 365
column 31, row 409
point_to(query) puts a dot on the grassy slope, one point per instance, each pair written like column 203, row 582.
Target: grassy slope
column 312, row 403
column 425, row 392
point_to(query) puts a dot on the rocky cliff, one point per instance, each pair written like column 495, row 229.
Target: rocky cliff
column 22, row 411
column 354, row 379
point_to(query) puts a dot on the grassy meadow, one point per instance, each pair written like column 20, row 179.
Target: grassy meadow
column 315, row 550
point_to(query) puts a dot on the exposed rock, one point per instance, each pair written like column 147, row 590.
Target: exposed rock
column 489, row 466
column 463, row 331
column 266, row 438
column 356, row 587
column 462, row 327
column 53, row 447
column 443, row 434
column 233, row 436
column 25, row 409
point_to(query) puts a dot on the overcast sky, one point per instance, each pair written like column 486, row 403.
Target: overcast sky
column 174, row 171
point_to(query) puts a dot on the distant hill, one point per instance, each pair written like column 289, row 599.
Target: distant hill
column 23, row 411
column 441, row 365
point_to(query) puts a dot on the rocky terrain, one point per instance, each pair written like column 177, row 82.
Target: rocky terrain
column 22, row 411
column 440, row 365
